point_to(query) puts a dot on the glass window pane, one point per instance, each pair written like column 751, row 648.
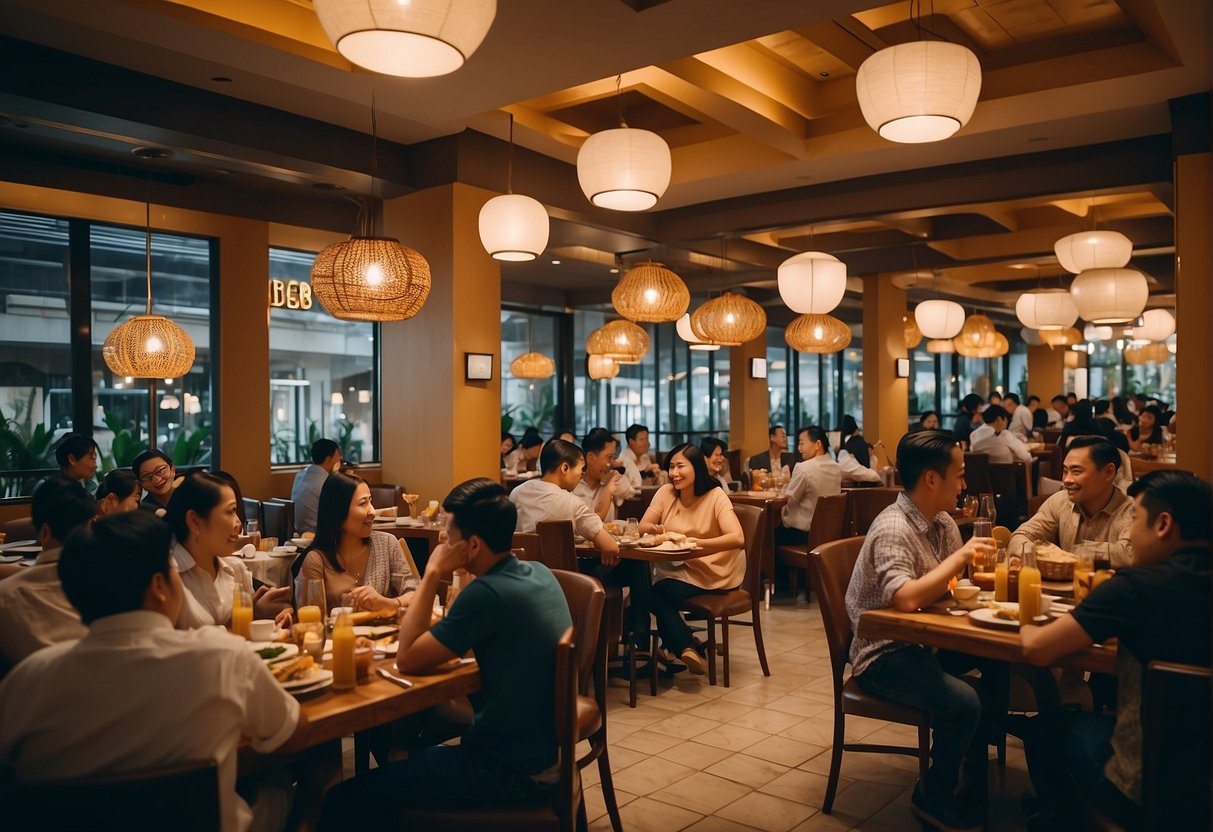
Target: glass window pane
column 922, row 382
column 852, row 378
column 35, row 356
column 323, row 376
column 529, row 402
column 778, row 378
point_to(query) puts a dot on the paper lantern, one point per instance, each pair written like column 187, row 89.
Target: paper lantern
column 650, row 293
column 812, row 282
column 1091, row 332
column 514, row 227
column 1030, row 337
column 939, row 319
column 1109, row 296
column 910, row 332
column 413, row 39
column 599, row 367
column 1093, row 250
column 621, row 341
column 532, row 365
column 922, row 91
column 995, row 346
column 941, row 345
column 371, row 279
column 729, row 320
column 1046, row 309
column 817, row 334
column 1062, row 337
column 977, row 333
column 624, row 169
column 1157, row 325
column 683, row 327
column 148, row 346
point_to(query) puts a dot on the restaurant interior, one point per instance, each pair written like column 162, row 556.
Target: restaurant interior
column 193, row 157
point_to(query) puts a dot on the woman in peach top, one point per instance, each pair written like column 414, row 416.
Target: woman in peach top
column 694, row 504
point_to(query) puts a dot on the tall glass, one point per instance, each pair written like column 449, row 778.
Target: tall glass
column 1002, row 585
column 313, row 609
column 986, row 508
column 1083, row 569
column 242, row 612
column 1029, row 588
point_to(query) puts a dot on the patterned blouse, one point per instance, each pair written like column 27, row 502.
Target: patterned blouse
column 386, row 571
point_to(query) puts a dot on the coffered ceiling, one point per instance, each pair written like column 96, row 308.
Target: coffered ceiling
column 756, row 99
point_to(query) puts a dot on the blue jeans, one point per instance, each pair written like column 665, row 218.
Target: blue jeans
column 442, row 775
column 912, row 676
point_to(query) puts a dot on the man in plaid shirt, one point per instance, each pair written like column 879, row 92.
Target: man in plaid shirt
column 912, row 551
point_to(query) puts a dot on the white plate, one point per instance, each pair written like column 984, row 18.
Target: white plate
column 301, row 542
column 15, row 544
column 283, row 553
column 291, row 650
column 24, row 550
column 662, row 550
column 318, row 679
column 986, row 618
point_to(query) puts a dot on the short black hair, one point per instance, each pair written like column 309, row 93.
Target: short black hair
column 73, row 444
column 1102, row 451
column 993, row 413
column 106, row 569
column 1181, row 494
column 709, row 444
column 1059, row 398
column 557, row 452
column 322, row 449
column 505, row 434
column 1082, row 410
column 994, row 393
column 596, row 440
column 61, row 504
column 816, row 434
column 926, row 414
column 1033, row 399
column 634, row 430
column 1102, row 406
column 971, row 402
column 1011, row 397
column 530, row 440
column 148, row 456
column 121, row 482
column 1155, row 411
column 848, row 426
column 925, row 450
column 199, row 492
column 773, row 429
column 481, row 508
column 704, row 481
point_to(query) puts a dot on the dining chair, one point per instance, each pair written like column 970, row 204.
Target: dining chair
column 587, row 606
column 556, row 544
column 563, row 812
column 184, row 796
column 831, row 565
column 252, row 511
column 1009, row 487
column 19, row 528
column 977, row 474
column 384, row 494
column 527, row 546
column 746, row 598
column 866, row 503
column 1175, row 768
column 829, row 523
column 279, row 519
column 1034, row 503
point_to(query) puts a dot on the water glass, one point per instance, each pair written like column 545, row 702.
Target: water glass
column 986, row 509
column 632, row 529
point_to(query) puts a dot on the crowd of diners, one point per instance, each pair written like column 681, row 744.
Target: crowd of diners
column 118, row 622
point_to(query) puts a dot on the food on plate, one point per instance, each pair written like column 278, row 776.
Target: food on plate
column 367, row 616
column 653, row 540
column 268, row 653
column 308, row 536
column 613, row 527
column 294, row 669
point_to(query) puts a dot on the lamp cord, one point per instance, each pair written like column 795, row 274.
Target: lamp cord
column 509, row 167
column 619, row 98
column 147, row 222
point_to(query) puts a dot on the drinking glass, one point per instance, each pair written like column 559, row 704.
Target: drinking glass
column 986, row 508
column 242, row 612
column 968, row 505
column 1084, row 568
column 632, row 530
column 309, row 636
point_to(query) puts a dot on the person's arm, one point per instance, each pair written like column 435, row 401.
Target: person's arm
column 918, row 592
column 607, row 546
column 731, row 534
column 655, row 513
column 418, row 649
column 799, row 484
column 1018, row 448
column 603, row 506
column 1044, row 645
column 852, row 470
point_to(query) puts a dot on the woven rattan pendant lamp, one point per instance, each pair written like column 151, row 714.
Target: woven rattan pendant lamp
column 148, row 346
column 532, row 364
column 621, row 341
column 599, row 367
column 815, row 333
column 729, row 320
column 650, row 293
column 910, row 332
column 683, row 328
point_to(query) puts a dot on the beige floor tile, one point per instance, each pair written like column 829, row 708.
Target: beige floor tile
column 595, row 807
column 749, row 771
column 834, row 822
column 864, row 799
column 764, row 719
column 732, row 737
column 622, row 758
column 892, row 818
column 695, row 754
column 796, row 705
column 766, row 811
column 684, row 726
column 721, row 711
column 651, row 774
column 648, row 742
column 784, row 751
column 715, row 824
column 803, row 786
column 701, row 792
column 646, row 815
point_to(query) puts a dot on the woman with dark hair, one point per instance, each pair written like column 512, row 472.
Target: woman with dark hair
column 231, row 480
column 507, row 445
column 855, row 455
column 524, row 457
column 1148, row 430
column 1120, row 409
column 205, row 520
column 77, row 457
column 694, row 505
column 118, row 493
column 352, row 560
column 713, row 451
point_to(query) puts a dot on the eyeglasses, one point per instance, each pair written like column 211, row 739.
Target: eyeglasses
column 159, row 474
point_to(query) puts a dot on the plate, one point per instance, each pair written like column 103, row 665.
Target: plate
column 16, row 544
column 291, row 650
column 11, row 558
column 318, row 679
column 985, row 617
column 666, row 549
column 24, row 550
column 283, row 553
column 301, row 542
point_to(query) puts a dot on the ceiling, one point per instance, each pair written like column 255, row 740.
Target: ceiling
column 756, row 99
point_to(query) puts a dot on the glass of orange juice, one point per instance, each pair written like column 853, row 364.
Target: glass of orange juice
column 242, row 612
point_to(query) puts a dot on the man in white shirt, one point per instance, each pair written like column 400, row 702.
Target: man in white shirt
column 134, row 693
column 817, row 476
column 305, row 491
column 635, row 458
column 34, row 612
column 854, row 471
column 1059, row 413
column 551, row 498
column 994, row 440
column 601, row 481
column 1022, row 416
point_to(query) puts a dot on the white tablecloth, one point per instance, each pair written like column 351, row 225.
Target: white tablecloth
column 270, row 570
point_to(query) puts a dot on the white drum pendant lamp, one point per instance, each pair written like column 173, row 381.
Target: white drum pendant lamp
column 1046, row 309
column 812, row 283
column 1110, row 296
column 1091, row 332
column 1093, row 250
column 922, row 91
column 624, row 169
column 1157, row 325
column 941, row 345
column 938, row 319
column 514, row 227
column 409, row 39
column 687, row 334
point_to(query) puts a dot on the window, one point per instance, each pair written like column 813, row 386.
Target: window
column 529, row 402
column 324, row 379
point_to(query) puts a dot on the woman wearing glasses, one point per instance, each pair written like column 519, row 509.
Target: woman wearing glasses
column 158, row 476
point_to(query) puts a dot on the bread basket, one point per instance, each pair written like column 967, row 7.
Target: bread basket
column 1055, row 564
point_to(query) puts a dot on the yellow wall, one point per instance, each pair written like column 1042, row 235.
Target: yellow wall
column 749, row 401
column 1046, row 372
column 886, row 405
column 1194, row 311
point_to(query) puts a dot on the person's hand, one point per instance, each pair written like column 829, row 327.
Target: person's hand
column 267, row 602
column 366, row 598
column 284, row 619
column 446, row 558
column 612, row 482
column 976, row 548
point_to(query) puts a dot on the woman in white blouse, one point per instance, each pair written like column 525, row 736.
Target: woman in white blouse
column 204, row 516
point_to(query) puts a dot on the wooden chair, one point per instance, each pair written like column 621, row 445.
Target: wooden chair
column 733, row 455
column 384, row 494
column 1010, row 489
column 564, row 812
column 736, row 602
column 830, row 572
column 279, row 517
column 527, row 546
column 184, row 797
column 252, row 511
column 587, row 606
column 977, row 474
column 408, row 557
column 1175, row 729
column 866, row 503
column 829, row 523
column 556, row 544
column 19, row 528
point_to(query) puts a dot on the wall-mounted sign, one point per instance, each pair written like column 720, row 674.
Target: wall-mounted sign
column 290, row 294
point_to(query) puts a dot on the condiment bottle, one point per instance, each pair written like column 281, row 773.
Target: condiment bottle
column 344, row 668
column 1002, row 578
column 1029, row 588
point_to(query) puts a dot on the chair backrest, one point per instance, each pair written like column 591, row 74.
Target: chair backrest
column 866, row 503
column 830, row 568
column 829, row 519
column 751, row 527
column 408, row 557
column 1050, row 435
column 568, row 796
column 139, row 802
column 279, row 516
column 526, row 546
column 556, row 544
column 1010, row 491
column 1175, row 746
column 631, row 507
column 733, row 455
column 384, row 494
column 977, row 473
column 586, row 599
column 19, row 528
column 252, row 511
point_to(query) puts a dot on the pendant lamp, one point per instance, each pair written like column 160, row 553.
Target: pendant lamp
column 1062, row 337
column 993, row 347
column 1093, row 250
column 939, row 319
column 1046, row 309
column 812, row 282
column 1031, row 337
column 621, row 341
column 624, row 169
column 820, row 334
column 941, row 345
column 406, row 38
column 683, row 327
column 650, row 293
column 976, row 335
column 1157, row 325
column 1091, row 332
column 532, row 365
column 148, row 346
column 513, row 227
column 911, row 333
column 922, row 91
column 599, row 367
column 729, row 320
column 1109, row 296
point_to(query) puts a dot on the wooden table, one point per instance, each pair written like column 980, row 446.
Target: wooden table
column 959, row 633
column 772, row 509
column 1142, row 465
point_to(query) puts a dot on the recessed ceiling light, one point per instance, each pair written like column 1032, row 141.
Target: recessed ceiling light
column 824, row 74
column 555, row 262
column 1020, row 266
column 614, row 271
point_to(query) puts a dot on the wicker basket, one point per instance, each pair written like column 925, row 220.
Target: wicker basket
column 1056, row 566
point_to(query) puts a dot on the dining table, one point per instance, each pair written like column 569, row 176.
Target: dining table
column 771, row 503
column 271, row 568
column 1146, row 464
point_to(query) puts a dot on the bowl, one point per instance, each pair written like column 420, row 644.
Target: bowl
column 966, row 596
column 1047, row 602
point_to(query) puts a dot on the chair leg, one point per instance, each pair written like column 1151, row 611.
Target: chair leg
column 653, row 664
column 724, row 640
column 631, row 654
column 758, row 643
column 711, row 651
column 924, row 749
column 793, row 574
column 835, row 756
column 608, row 789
